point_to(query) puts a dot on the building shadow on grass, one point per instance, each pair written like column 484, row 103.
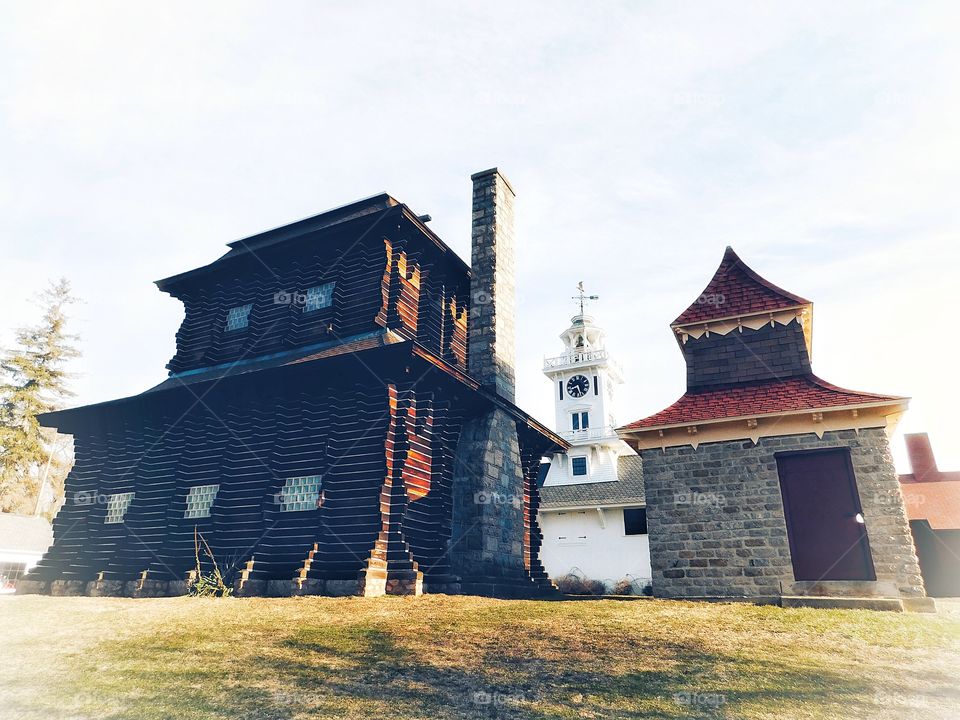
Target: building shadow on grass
column 359, row 671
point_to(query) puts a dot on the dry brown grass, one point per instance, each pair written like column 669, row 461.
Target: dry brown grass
column 443, row 657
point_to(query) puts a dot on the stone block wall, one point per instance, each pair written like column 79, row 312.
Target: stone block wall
column 765, row 354
column 716, row 520
column 488, row 516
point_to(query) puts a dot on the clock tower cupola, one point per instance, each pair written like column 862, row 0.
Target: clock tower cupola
column 584, row 379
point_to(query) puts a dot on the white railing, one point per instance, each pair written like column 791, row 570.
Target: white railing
column 599, row 433
column 574, row 359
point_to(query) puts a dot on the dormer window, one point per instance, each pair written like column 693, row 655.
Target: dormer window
column 238, row 317
column 319, row 296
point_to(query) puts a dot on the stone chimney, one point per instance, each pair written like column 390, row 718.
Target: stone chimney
column 492, row 357
column 490, row 548
column 922, row 462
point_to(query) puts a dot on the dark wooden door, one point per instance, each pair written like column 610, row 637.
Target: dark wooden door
column 828, row 538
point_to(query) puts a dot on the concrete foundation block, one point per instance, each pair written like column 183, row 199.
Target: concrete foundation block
column 842, row 603
column 68, row 588
column 250, row 588
column 919, row 604
column 106, row 588
column 280, row 588
column 343, row 588
column 33, row 587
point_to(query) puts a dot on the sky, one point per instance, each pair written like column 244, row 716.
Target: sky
column 818, row 139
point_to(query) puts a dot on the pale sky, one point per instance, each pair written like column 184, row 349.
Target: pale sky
column 819, row 141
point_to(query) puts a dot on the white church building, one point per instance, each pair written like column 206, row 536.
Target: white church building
column 592, row 506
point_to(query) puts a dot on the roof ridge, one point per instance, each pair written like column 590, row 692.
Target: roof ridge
column 754, row 275
column 728, row 292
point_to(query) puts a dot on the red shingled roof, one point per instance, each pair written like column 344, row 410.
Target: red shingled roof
column 930, row 493
column 806, row 392
column 936, row 502
column 736, row 290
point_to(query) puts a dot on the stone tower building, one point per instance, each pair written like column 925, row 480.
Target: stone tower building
column 763, row 480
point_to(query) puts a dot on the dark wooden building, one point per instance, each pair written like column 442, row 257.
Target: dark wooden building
column 338, row 419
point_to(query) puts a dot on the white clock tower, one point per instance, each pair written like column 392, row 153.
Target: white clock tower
column 593, row 510
column 584, row 380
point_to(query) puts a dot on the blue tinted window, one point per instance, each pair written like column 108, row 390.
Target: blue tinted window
column 237, row 317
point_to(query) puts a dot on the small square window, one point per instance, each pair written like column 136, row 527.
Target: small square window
column 238, row 317
column 579, row 465
column 319, row 296
column 199, row 500
column 117, row 507
column 300, row 493
column 635, row 521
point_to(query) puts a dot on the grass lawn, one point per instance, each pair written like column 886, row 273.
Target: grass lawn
column 453, row 657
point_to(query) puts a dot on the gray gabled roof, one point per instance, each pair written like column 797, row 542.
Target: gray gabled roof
column 626, row 490
column 24, row 533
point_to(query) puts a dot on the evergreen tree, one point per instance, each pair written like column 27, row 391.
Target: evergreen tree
column 34, row 381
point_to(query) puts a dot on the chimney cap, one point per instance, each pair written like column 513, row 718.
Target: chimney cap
column 492, row 171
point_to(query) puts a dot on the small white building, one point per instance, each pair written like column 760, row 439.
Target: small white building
column 592, row 505
column 23, row 541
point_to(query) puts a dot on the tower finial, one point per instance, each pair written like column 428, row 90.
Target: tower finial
column 582, row 296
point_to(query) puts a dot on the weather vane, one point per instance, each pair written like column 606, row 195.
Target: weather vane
column 582, row 296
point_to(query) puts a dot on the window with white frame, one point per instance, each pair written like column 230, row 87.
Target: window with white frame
column 300, row 493
column 117, row 505
column 579, row 465
column 580, row 420
column 319, row 296
column 238, row 317
column 199, row 500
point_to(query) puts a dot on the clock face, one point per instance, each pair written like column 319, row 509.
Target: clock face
column 577, row 386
